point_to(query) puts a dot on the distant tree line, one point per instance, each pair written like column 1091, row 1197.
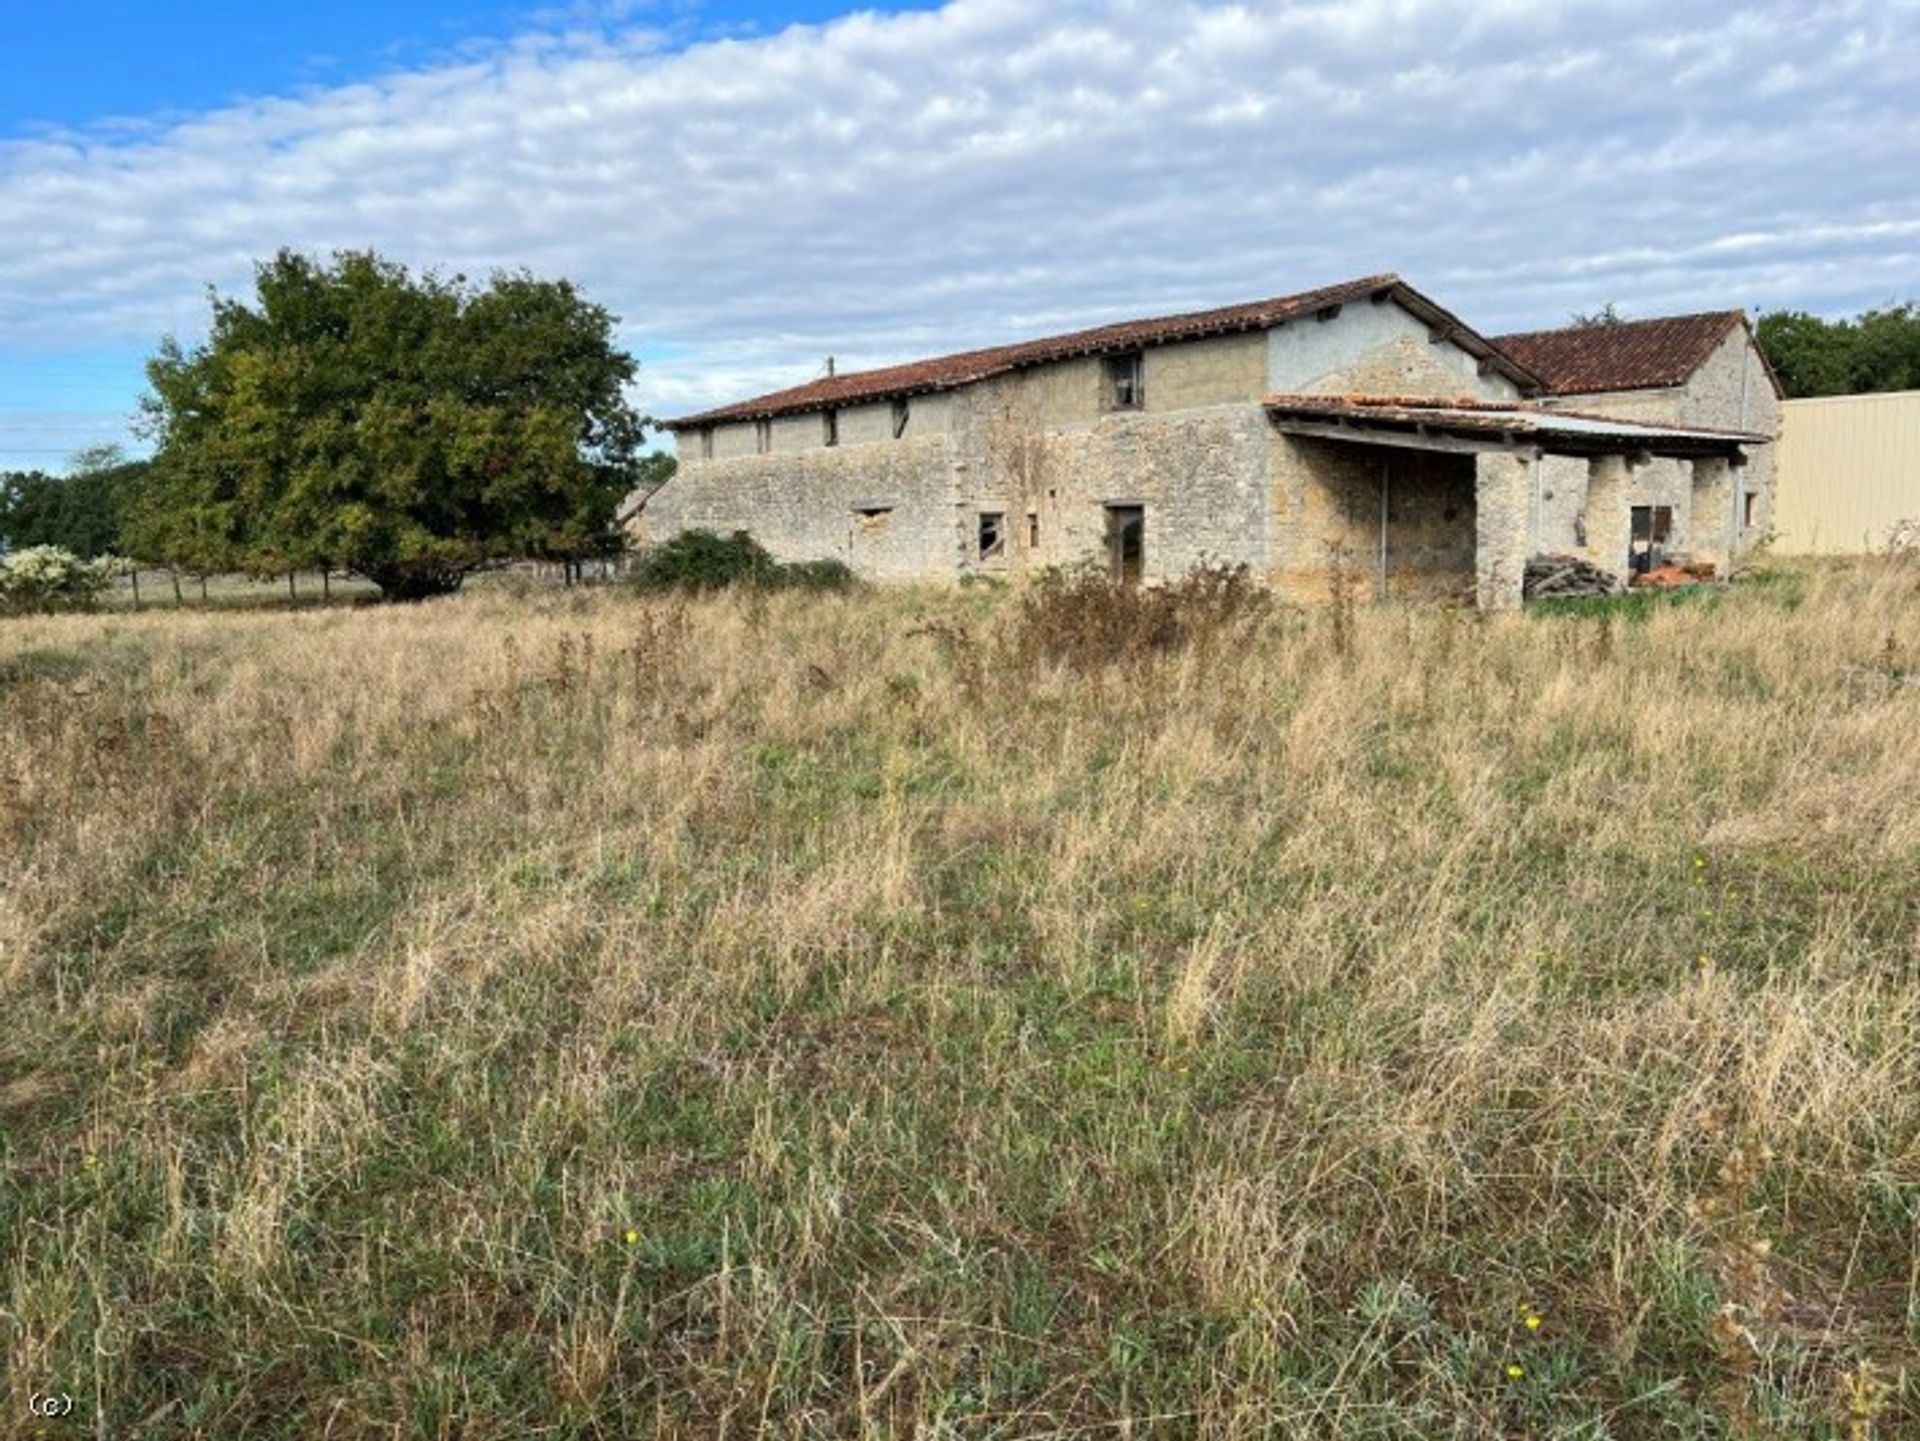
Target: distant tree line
column 409, row 429
column 82, row 512
column 1875, row 351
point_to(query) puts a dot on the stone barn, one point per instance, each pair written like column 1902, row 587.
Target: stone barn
column 1359, row 424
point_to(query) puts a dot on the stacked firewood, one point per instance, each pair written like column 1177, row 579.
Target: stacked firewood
column 1551, row 576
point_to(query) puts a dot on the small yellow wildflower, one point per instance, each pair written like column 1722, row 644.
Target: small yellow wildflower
column 1533, row 1322
column 632, row 1238
column 92, row 1162
column 1699, row 863
column 1515, row 1370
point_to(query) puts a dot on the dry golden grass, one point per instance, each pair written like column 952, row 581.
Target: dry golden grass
column 581, row 1016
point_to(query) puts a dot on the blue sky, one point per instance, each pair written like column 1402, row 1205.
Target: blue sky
column 755, row 187
column 122, row 68
column 79, row 62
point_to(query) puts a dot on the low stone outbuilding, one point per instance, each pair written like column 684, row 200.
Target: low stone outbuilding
column 1701, row 370
column 1360, row 427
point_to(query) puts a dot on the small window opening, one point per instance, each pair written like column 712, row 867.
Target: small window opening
column 1126, row 389
column 872, row 517
column 763, row 436
column 1652, row 527
column 1033, row 529
column 993, row 536
column 901, row 412
column 830, row 426
column 1750, row 510
column 706, row 442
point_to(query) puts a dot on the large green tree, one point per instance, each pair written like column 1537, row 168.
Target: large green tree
column 1877, row 350
column 407, row 428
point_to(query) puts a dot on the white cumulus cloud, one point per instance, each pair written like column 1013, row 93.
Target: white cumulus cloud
column 886, row 186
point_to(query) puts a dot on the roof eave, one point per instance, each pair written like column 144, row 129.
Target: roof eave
column 1502, row 427
column 1617, row 389
column 731, row 415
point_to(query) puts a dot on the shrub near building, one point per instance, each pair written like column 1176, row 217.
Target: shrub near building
column 699, row 560
column 47, row 578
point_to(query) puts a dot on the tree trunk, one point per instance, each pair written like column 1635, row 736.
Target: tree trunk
column 326, row 583
column 292, row 594
column 178, row 599
column 203, row 590
column 136, row 587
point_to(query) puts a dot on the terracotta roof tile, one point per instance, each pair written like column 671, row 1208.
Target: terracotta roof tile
column 947, row 371
column 1633, row 355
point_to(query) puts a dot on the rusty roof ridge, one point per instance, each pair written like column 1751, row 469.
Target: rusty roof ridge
column 947, row 372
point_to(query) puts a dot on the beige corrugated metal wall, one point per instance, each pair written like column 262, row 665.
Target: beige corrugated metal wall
column 1849, row 471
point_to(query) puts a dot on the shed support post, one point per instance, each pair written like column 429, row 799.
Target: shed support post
column 1712, row 518
column 1609, row 514
column 1502, row 515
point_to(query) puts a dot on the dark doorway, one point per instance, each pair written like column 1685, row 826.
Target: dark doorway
column 1126, row 542
column 1652, row 528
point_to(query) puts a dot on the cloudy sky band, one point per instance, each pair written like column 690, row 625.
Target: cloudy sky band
column 884, row 186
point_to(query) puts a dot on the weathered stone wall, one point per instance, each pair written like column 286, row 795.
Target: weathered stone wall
column 1576, row 518
column 807, row 505
column 1610, row 498
column 1223, row 370
column 1405, row 365
column 729, row 442
column 1379, row 349
column 794, row 434
column 866, row 424
column 1324, row 513
column 1199, row 474
column 1561, row 528
column 1431, row 526
column 1713, row 487
column 1668, row 482
column 1732, row 390
column 870, row 424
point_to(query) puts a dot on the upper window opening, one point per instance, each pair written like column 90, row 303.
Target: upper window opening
column 1750, row 509
column 1125, row 381
column 706, row 442
column 902, row 411
column 763, row 436
column 993, row 533
column 830, row 426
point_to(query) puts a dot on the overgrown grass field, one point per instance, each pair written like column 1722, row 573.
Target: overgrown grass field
column 839, row 1016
